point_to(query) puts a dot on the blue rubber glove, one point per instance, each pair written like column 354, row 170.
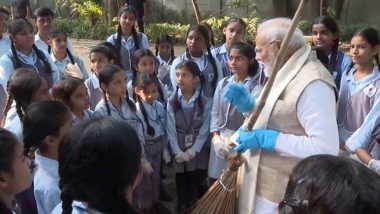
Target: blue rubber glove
column 239, row 95
column 258, row 138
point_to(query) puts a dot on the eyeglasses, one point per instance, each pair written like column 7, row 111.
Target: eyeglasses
column 259, row 50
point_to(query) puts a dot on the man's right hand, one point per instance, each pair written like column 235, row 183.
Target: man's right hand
column 239, row 95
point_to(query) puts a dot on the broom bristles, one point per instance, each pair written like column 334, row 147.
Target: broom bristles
column 221, row 196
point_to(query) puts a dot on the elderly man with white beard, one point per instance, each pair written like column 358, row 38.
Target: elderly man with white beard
column 297, row 121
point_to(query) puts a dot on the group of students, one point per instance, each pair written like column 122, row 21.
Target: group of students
column 175, row 108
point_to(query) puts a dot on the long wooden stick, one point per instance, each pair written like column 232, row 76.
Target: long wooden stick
column 277, row 63
column 196, row 11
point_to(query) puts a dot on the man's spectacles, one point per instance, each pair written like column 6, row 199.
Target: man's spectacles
column 259, row 50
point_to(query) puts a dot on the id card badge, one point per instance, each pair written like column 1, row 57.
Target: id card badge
column 188, row 140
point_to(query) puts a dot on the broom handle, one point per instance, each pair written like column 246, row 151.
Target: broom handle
column 276, row 67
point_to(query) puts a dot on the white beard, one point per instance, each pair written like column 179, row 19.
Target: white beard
column 268, row 66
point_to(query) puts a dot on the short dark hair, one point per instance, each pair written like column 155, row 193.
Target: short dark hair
column 43, row 12
column 329, row 184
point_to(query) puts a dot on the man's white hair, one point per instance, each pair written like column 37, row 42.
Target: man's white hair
column 276, row 29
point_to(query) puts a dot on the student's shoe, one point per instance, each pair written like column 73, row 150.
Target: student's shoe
column 160, row 208
column 164, row 196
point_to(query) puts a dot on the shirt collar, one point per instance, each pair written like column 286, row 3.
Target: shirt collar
column 47, row 164
column 95, row 81
column 66, row 59
column 233, row 77
column 370, row 77
column 192, row 99
column 223, row 49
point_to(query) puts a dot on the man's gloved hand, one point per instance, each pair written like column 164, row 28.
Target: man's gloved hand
column 239, row 95
column 190, row 153
column 374, row 165
column 221, row 148
column 258, row 138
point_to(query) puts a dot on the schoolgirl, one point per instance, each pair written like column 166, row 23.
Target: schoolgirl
column 233, row 31
column 73, row 92
column 67, row 64
column 25, row 87
column 115, row 101
column 15, row 170
column 188, row 125
column 165, row 56
column 197, row 40
column 45, row 123
column 154, row 117
column 100, row 55
column 225, row 118
column 145, row 62
column 127, row 40
column 5, row 42
column 325, row 34
column 99, row 168
column 25, row 54
column 359, row 93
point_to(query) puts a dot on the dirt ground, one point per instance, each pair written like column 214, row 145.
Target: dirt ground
column 82, row 48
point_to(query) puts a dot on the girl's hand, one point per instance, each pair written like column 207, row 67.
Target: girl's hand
column 374, row 165
column 74, row 71
column 166, row 156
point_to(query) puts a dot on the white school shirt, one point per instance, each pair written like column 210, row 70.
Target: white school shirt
column 7, row 67
column 316, row 112
column 202, row 63
column 204, row 131
column 78, row 208
column 95, row 82
column 87, row 114
column 44, row 46
column 5, row 44
column 46, row 180
column 13, row 123
column 156, row 117
column 126, row 114
column 62, row 65
column 130, row 42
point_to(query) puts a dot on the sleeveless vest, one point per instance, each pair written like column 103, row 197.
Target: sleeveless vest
column 126, row 57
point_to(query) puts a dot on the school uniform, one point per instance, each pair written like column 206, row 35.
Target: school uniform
column 31, row 61
column 221, row 53
column 205, row 67
column 46, row 180
column 126, row 114
column 93, row 90
column 342, row 63
column 187, row 129
column 13, row 123
column 149, row 187
column 87, row 114
column 42, row 45
column 358, row 104
column 62, row 65
column 226, row 119
column 163, row 73
column 164, row 89
column 3, row 100
column 5, row 44
column 128, row 49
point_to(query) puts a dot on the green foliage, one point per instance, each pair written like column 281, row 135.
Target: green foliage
column 251, row 4
column 347, row 31
column 175, row 30
column 217, row 26
column 87, row 8
column 305, row 27
column 82, row 29
column 159, row 13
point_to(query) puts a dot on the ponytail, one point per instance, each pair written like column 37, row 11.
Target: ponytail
column 150, row 129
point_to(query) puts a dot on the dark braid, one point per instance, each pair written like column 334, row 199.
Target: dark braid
column 67, row 201
column 135, row 38
column 106, row 103
column 14, row 53
column 70, row 56
column 130, row 103
column 118, row 41
column 213, row 63
column 150, row 129
column 8, row 105
column 160, row 91
column 49, row 49
column 199, row 99
column 176, row 104
column 19, row 112
column 134, row 75
column 41, row 56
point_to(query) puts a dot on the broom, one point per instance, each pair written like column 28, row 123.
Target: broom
column 221, row 198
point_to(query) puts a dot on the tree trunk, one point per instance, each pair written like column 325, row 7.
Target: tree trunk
column 281, row 8
column 338, row 6
column 111, row 11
